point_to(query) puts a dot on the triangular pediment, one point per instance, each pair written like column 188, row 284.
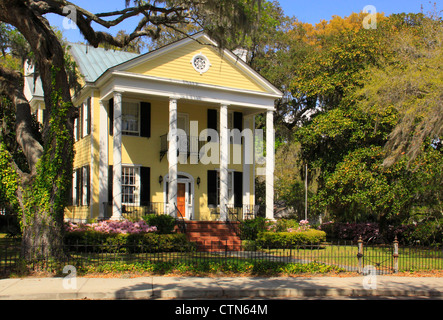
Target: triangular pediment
column 199, row 61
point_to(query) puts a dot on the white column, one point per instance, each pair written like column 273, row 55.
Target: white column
column 270, row 147
column 172, row 158
column 103, row 161
column 247, row 163
column 117, row 155
column 224, row 155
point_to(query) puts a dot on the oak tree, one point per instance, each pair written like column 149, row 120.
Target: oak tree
column 42, row 189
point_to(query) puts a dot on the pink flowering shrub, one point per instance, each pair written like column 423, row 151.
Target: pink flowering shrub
column 123, row 237
column 284, row 225
column 113, row 227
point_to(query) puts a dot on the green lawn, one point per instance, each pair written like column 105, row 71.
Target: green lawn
column 380, row 257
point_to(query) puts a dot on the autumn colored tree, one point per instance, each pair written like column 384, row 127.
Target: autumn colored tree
column 377, row 101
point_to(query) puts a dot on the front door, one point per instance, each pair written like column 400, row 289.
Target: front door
column 181, row 200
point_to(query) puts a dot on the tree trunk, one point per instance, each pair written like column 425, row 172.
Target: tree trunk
column 46, row 192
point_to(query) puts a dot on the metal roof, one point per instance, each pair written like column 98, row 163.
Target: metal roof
column 93, row 62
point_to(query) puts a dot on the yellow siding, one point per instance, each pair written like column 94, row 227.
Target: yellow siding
column 177, row 65
column 145, row 152
column 82, row 150
column 95, row 140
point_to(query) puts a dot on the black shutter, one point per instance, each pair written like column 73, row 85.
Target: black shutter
column 145, row 185
column 89, row 111
column 145, row 119
column 71, row 190
column 212, row 188
column 212, row 120
column 238, row 121
column 238, row 189
column 110, row 183
column 111, row 116
column 88, row 185
column 79, row 123
column 80, row 186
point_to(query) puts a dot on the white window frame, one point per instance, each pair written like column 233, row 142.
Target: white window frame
column 134, row 133
column 84, row 186
column 136, row 185
column 85, row 119
column 230, row 187
column 74, row 188
column 76, row 137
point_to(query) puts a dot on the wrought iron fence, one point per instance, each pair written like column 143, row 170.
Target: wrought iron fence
column 344, row 255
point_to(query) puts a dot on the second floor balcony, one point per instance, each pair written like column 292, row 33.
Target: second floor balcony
column 186, row 145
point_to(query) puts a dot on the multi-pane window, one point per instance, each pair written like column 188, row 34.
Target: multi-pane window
column 131, row 118
column 82, row 125
column 86, row 117
column 130, row 183
column 230, row 187
column 85, row 186
column 76, row 130
column 81, row 187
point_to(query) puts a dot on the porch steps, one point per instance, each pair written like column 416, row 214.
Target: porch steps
column 211, row 236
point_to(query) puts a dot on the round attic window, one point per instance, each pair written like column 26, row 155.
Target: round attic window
column 200, row 63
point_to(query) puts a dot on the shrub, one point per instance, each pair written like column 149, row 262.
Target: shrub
column 351, row 231
column 165, row 224
column 92, row 240
column 426, row 233
column 211, row 267
column 251, row 228
column 117, row 227
column 249, row 245
column 288, row 239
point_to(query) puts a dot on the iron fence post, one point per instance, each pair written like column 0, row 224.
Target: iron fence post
column 395, row 255
column 360, row 255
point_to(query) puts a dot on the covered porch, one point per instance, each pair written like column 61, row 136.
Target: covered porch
column 194, row 179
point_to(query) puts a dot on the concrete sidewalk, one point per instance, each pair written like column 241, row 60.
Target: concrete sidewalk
column 217, row 288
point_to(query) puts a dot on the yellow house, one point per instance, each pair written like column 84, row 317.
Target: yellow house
column 155, row 133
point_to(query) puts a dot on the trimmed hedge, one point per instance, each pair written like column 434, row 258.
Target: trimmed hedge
column 127, row 243
column 288, row 239
column 165, row 224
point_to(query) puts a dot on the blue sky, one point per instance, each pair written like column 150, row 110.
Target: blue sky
column 311, row 11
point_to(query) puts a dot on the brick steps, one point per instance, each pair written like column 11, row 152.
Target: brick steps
column 212, row 236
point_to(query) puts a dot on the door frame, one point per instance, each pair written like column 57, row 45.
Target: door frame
column 188, row 180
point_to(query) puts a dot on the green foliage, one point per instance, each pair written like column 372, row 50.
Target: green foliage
column 9, row 181
column 165, row 224
column 427, row 233
column 411, row 82
column 49, row 191
column 378, row 94
column 290, row 239
column 117, row 242
column 251, row 228
column 282, row 225
column 360, row 185
column 332, row 135
column 267, row 268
